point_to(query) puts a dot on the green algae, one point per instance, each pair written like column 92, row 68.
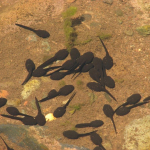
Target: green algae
column 79, row 84
column 119, row 80
column 74, row 128
column 104, row 36
column 62, row 83
column 69, row 12
column 69, row 30
column 93, row 97
column 119, row 12
column 144, row 30
column 75, row 108
column 66, row 123
column 83, row 42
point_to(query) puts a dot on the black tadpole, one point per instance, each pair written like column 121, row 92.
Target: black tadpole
column 40, row 33
column 40, row 118
column 30, row 66
column 94, row 124
column 14, row 111
column 71, row 134
column 60, row 111
column 133, row 99
column 74, row 53
column 107, row 60
column 65, row 90
column 121, row 111
column 96, row 139
column 68, row 65
column 109, row 112
column 53, row 93
column 27, row 120
column 3, row 101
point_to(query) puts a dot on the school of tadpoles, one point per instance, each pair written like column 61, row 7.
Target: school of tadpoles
column 96, row 67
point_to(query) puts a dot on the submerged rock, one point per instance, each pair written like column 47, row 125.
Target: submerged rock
column 137, row 134
column 34, row 138
column 29, row 88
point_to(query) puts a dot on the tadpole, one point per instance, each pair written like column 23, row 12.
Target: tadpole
column 40, row 33
column 107, row 60
column 71, row 134
column 30, row 66
column 94, row 124
column 109, row 112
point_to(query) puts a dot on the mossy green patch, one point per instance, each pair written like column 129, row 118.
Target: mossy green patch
column 119, row 80
column 62, row 83
column 69, row 12
column 66, row 123
column 70, row 32
column 79, row 83
column 104, row 36
column 144, row 30
column 119, row 12
column 75, row 108
column 74, row 128
column 83, row 42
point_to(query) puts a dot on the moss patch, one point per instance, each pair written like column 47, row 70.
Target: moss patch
column 70, row 32
column 144, row 30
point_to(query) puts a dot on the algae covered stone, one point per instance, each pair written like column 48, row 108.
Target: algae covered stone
column 29, row 88
column 144, row 30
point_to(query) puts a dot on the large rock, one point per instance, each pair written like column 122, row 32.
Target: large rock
column 137, row 134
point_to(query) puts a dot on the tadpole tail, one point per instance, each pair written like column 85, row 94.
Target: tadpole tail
column 82, row 125
column 53, row 72
column 85, row 134
column 25, row 27
column 48, row 62
column 8, row 148
column 77, row 75
column 37, row 105
column 12, row 117
column 44, row 99
column 138, row 104
column 110, row 94
column 28, row 77
column 104, row 46
column 70, row 99
column 114, row 125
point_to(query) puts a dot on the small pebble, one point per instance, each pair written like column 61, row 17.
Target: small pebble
column 128, row 32
column 87, row 17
